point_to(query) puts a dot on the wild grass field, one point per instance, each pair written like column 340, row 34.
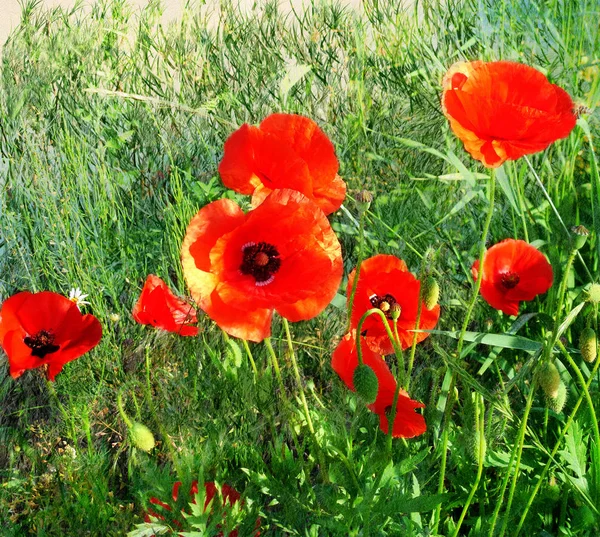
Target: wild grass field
column 111, row 132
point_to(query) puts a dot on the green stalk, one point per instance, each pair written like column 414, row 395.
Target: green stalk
column 361, row 240
column 563, row 433
column 519, row 445
column 275, row 364
column 481, row 427
column 486, row 227
column 413, row 349
column 250, row 357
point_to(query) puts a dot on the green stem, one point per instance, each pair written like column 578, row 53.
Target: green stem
column 521, row 441
column 392, row 418
column 481, row 430
column 297, row 376
column 486, row 227
column 275, row 364
column 413, row 349
column 250, row 357
column 68, row 419
column 563, row 433
column 361, row 240
column 124, row 415
column 384, row 320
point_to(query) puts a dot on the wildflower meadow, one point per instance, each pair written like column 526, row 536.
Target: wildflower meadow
column 319, row 272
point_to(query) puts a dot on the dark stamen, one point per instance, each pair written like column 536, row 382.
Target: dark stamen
column 384, row 303
column 260, row 261
column 509, row 280
column 41, row 343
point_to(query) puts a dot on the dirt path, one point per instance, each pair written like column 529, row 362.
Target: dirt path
column 10, row 10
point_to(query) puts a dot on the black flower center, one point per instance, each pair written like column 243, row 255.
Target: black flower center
column 41, row 343
column 509, row 280
column 260, row 261
column 384, row 303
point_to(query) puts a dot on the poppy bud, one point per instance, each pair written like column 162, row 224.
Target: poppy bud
column 395, row 311
column 431, row 292
column 365, row 383
column 588, row 345
column 548, row 377
column 593, row 293
column 363, row 201
column 141, row 437
column 558, row 403
column 580, row 236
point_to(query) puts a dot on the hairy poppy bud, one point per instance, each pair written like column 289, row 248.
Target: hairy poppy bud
column 431, row 292
column 588, row 344
column 548, row 377
column 395, row 311
column 593, row 293
column 558, row 403
column 365, row 383
column 580, row 235
column 363, row 201
column 141, row 437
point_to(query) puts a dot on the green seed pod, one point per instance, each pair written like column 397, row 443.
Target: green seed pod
column 431, row 292
column 558, row 403
column 365, row 383
column 588, row 346
column 141, row 437
column 579, row 237
column 363, row 201
column 548, row 377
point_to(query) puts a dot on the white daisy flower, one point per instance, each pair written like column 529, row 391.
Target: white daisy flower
column 76, row 295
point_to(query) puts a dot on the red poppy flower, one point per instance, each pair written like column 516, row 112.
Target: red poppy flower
column 384, row 281
column 281, row 256
column 285, row 151
column 45, row 329
column 513, row 270
column 159, row 307
column 407, row 422
column 504, row 110
column 229, row 494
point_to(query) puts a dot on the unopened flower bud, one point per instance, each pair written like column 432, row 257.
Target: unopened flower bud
column 593, row 293
column 558, row 403
column 588, row 345
column 363, row 200
column 548, row 377
column 141, row 437
column 395, row 311
column 365, row 383
column 431, row 292
column 580, row 235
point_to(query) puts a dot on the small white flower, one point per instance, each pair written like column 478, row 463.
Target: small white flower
column 77, row 296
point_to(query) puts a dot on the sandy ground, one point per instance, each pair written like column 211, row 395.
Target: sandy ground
column 10, row 10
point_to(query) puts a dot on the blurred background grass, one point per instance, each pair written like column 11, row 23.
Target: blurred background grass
column 111, row 130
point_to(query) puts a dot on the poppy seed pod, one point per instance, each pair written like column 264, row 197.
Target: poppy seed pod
column 431, row 292
column 363, row 201
column 365, row 383
column 588, row 345
column 548, row 377
column 580, row 235
column 141, row 437
column 593, row 293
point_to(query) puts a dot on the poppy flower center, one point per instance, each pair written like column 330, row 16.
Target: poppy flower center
column 260, row 261
column 509, row 280
column 41, row 343
column 384, row 303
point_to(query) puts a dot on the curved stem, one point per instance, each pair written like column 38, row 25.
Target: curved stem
column 486, row 227
column 124, row 415
column 521, row 440
column 563, row 433
column 384, row 320
column 275, row 364
column 361, row 240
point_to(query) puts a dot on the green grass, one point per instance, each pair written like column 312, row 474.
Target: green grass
column 111, row 130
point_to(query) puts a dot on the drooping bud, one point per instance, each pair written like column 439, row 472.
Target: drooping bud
column 431, row 292
column 558, row 403
column 580, row 235
column 588, row 346
column 548, row 377
column 365, row 383
column 395, row 311
column 141, row 437
column 363, row 201
column 593, row 293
